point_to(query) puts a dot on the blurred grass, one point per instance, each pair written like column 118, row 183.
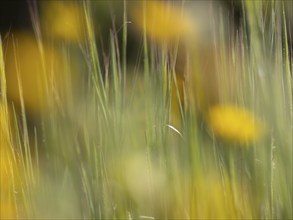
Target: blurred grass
column 157, row 141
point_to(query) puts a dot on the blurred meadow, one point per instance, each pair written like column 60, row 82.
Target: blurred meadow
column 146, row 109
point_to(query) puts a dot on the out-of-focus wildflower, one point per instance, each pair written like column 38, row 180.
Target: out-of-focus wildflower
column 8, row 167
column 7, row 211
column 39, row 72
column 219, row 198
column 63, row 20
column 9, row 172
column 162, row 22
column 233, row 123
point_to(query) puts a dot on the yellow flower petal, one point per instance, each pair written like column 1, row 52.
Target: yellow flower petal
column 233, row 123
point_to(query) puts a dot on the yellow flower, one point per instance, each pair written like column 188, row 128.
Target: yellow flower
column 40, row 73
column 63, row 20
column 7, row 211
column 9, row 175
column 8, row 171
column 215, row 198
column 233, row 123
column 163, row 22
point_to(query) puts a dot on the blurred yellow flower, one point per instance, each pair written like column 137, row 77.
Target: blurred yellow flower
column 10, row 181
column 220, row 198
column 63, row 20
column 9, row 176
column 8, row 171
column 162, row 22
column 7, row 211
column 233, row 123
column 40, row 73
